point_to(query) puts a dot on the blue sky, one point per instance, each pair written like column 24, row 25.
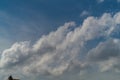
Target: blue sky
column 48, row 15
column 60, row 39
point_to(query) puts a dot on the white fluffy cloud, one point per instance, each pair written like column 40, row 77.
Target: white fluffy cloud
column 66, row 50
column 15, row 54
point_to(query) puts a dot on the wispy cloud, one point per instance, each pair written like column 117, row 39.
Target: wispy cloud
column 100, row 1
column 84, row 13
column 118, row 0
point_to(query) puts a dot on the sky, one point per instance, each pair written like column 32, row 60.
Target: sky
column 60, row 39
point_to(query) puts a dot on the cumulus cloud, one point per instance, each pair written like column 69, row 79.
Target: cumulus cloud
column 15, row 54
column 66, row 51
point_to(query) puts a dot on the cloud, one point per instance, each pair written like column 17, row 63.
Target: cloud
column 101, row 76
column 105, row 50
column 118, row 0
column 106, row 55
column 84, row 13
column 100, row 1
column 15, row 54
column 65, row 51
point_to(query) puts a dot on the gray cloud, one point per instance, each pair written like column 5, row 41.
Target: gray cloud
column 105, row 50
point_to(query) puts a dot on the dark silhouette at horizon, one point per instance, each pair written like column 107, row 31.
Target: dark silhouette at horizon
column 11, row 78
